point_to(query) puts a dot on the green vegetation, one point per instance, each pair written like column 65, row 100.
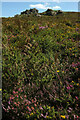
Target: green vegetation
column 41, row 68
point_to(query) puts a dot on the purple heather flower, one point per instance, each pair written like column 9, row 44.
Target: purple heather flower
column 74, row 116
column 71, row 85
column 29, row 102
column 42, row 115
column 72, row 40
column 78, row 63
column 42, row 27
column 76, row 98
column 70, row 108
column 75, row 64
column 29, row 109
column 67, row 69
column 4, row 109
column 45, row 116
column 9, row 102
column 77, row 29
column 9, row 107
column 67, row 116
column 77, row 117
column 68, row 88
column 69, row 111
column 41, row 108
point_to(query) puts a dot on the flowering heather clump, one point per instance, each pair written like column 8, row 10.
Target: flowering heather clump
column 43, row 27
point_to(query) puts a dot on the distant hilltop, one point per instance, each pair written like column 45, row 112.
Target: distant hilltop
column 48, row 12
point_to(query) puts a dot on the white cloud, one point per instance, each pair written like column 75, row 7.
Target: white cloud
column 40, row 6
column 56, row 7
column 44, row 6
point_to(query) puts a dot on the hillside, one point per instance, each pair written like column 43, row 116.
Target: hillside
column 41, row 67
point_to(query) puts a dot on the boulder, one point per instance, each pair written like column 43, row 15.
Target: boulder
column 31, row 11
column 50, row 12
column 38, row 15
column 59, row 12
column 34, row 10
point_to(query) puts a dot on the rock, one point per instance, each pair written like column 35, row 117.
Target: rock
column 31, row 11
column 16, row 15
column 38, row 15
column 34, row 10
column 59, row 12
column 50, row 12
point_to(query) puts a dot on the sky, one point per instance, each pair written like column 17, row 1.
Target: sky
column 40, row 0
column 9, row 9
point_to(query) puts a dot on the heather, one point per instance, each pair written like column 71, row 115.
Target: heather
column 41, row 67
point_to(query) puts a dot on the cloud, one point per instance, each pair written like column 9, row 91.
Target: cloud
column 56, row 7
column 44, row 6
column 40, row 6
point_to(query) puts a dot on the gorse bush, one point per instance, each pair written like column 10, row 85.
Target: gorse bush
column 41, row 77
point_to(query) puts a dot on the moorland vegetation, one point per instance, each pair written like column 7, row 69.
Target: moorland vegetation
column 41, row 67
